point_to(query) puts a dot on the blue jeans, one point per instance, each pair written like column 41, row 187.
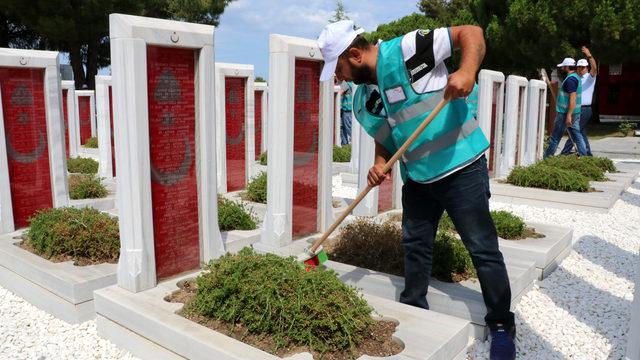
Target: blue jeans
column 465, row 195
column 585, row 116
column 558, row 130
column 345, row 128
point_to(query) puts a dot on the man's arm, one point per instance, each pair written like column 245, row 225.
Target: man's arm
column 376, row 176
column 572, row 105
column 592, row 61
column 470, row 40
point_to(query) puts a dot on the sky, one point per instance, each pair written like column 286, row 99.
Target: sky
column 243, row 34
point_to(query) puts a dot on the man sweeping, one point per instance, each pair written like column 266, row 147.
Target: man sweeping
column 401, row 81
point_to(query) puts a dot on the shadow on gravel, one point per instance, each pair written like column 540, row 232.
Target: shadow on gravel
column 608, row 255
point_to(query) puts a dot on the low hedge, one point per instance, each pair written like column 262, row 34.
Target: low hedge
column 342, row 153
column 91, row 143
column 508, row 225
column 86, row 187
column 257, row 189
column 580, row 165
column 82, row 165
column 602, row 162
column 543, row 176
column 378, row 246
column 234, row 216
column 263, row 159
column 269, row 295
column 85, row 235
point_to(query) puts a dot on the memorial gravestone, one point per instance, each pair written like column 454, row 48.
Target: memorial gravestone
column 536, row 118
column 32, row 143
column 165, row 142
column 514, row 124
column 300, row 137
column 260, row 118
column 69, row 113
column 490, row 114
column 86, row 114
column 337, row 99
column 235, row 125
column 104, row 105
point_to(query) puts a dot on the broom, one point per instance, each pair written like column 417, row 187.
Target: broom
column 315, row 256
column 543, row 72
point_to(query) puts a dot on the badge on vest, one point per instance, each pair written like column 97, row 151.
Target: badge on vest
column 395, row 95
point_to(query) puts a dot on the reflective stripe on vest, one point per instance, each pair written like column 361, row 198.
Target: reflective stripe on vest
column 416, row 109
column 562, row 103
column 442, row 141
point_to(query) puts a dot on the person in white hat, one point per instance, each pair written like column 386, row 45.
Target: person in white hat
column 401, row 81
column 588, row 79
column 568, row 104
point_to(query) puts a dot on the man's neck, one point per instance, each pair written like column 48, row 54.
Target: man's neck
column 374, row 73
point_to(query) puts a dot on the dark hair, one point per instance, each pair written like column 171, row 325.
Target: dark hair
column 360, row 42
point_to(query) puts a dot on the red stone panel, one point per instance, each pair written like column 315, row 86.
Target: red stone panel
column 305, row 147
column 172, row 126
column 258, row 121
column 385, row 194
column 65, row 116
column 25, row 126
column 113, row 148
column 234, row 90
column 84, row 114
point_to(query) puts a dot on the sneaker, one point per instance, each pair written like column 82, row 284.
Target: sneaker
column 502, row 343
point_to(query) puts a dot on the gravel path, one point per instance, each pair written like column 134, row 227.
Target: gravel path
column 582, row 310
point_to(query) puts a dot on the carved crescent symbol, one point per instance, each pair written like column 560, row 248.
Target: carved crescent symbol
column 306, row 156
column 238, row 139
column 172, row 177
column 26, row 158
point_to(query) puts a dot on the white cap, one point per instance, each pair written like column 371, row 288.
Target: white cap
column 582, row 62
column 334, row 39
column 567, row 62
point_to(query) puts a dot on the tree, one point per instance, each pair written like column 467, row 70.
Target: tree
column 260, row 79
column 340, row 13
column 81, row 28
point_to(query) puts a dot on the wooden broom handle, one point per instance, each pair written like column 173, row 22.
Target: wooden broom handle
column 387, row 166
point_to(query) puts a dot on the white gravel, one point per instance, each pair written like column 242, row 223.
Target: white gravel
column 27, row 332
column 342, row 191
column 582, row 310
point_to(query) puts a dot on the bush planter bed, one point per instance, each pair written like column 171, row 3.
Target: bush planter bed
column 60, row 288
column 147, row 325
column 103, row 204
column 462, row 299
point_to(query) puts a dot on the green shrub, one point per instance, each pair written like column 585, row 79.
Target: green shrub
column 263, row 159
column 268, row 294
column 378, row 246
column 82, row 165
column 81, row 234
column 602, row 162
column 543, row 176
column 508, row 225
column 451, row 260
column 446, row 224
column 257, row 188
column 92, row 143
column 626, row 127
column 234, row 216
column 573, row 163
column 342, row 153
column 86, row 187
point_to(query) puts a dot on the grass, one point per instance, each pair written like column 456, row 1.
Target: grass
column 263, row 159
column 257, row 189
column 86, row 187
column 85, row 235
column 378, row 246
column 82, row 165
column 581, row 165
column 543, row 176
column 234, row 216
column 342, row 153
column 91, row 143
column 270, row 295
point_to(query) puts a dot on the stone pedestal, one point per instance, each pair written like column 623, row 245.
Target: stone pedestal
column 69, row 112
column 104, row 104
column 490, row 113
column 260, row 118
column 86, row 114
column 515, row 114
column 33, row 165
column 536, row 118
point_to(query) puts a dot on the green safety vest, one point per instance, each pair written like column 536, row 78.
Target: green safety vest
column 452, row 140
column 562, row 104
